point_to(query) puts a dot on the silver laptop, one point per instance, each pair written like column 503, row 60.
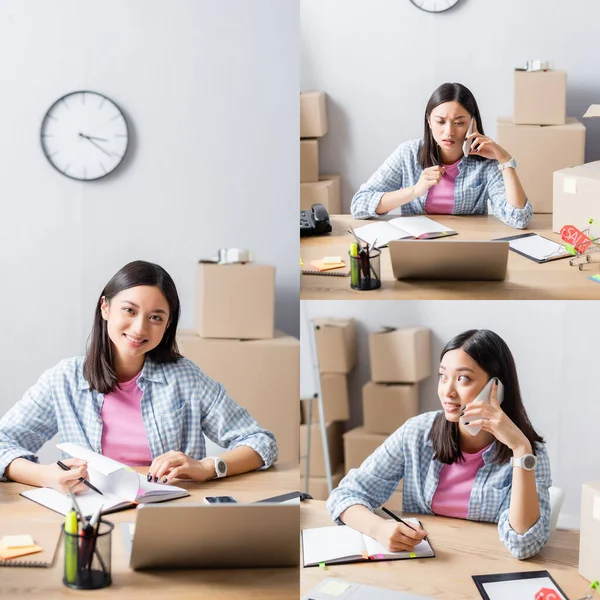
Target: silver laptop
column 188, row 536
column 446, row 259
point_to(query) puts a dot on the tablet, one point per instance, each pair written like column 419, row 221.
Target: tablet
column 508, row 586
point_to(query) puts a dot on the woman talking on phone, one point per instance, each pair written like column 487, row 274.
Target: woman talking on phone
column 433, row 176
column 481, row 461
column 132, row 398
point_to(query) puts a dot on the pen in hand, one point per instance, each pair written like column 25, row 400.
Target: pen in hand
column 397, row 518
column 84, row 481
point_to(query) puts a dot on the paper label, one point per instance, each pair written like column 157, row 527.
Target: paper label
column 334, row 588
column 570, row 185
column 412, row 555
column 596, row 508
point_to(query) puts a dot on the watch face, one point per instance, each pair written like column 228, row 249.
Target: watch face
column 220, row 467
column 529, row 461
column 84, row 135
column 435, row 6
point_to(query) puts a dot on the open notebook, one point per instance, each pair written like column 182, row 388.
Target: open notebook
column 341, row 544
column 121, row 486
column 383, row 232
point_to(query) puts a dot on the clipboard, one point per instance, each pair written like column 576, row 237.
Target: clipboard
column 524, row 236
column 515, row 585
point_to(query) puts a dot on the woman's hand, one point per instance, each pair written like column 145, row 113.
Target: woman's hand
column 490, row 417
column 54, row 477
column 429, row 177
column 397, row 537
column 481, row 145
column 174, row 464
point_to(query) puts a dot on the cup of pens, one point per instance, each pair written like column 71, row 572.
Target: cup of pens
column 87, row 553
column 365, row 270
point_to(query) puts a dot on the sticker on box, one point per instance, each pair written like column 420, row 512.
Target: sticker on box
column 570, row 185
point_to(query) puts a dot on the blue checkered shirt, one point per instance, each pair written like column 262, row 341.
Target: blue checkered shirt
column 408, row 454
column 179, row 404
column 476, row 182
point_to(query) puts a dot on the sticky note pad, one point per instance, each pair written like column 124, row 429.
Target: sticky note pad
column 332, row 259
column 17, row 541
column 334, row 588
column 570, row 185
column 7, row 553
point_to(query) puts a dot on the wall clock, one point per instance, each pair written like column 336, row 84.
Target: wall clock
column 84, row 135
column 435, row 6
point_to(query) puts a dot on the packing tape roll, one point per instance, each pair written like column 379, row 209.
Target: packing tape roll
column 234, row 255
column 538, row 65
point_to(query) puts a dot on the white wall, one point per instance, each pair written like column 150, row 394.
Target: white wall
column 379, row 62
column 554, row 346
column 210, row 91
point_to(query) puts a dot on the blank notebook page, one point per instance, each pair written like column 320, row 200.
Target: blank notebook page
column 322, row 544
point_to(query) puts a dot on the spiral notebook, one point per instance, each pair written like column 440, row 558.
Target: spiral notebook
column 44, row 534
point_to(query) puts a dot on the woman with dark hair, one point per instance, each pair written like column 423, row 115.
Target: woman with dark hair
column 432, row 176
column 133, row 398
column 475, row 460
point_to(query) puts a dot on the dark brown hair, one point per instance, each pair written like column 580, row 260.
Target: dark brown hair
column 492, row 354
column 429, row 152
column 98, row 368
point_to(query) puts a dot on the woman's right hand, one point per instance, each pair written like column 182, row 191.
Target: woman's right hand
column 397, row 537
column 54, row 477
column 429, row 177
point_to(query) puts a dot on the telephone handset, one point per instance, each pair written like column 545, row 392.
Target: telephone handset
column 314, row 221
column 482, row 397
column 467, row 143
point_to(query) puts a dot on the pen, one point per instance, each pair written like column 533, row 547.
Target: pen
column 84, row 481
column 397, row 518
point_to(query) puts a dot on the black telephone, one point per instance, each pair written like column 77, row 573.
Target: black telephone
column 314, row 221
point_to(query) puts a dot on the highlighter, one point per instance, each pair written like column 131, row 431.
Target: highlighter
column 71, row 527
column 354, row 275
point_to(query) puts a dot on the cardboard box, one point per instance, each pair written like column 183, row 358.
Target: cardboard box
column 235, row 301
column 309, row 161
column 317, row 486
column 576, row 196
column 540, row 97
column 336, row 344
column 336, row 404
column 400, row 355
column 263, row 376
column 326, row 191
column 313, row 115
column 317, row 460
column 358, row 445
column 589, row 539
column 387, row 406
column 539, row 151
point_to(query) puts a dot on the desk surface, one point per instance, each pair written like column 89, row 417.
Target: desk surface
column 462, row 548
column 525, row 280
column 214, row 584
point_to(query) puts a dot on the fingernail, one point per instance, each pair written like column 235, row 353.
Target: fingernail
column 149, row 477
column 164, row 480
column 155, row 478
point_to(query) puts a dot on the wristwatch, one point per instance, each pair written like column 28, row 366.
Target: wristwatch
column 527, row 462
column 220, row 466
column 509, row 164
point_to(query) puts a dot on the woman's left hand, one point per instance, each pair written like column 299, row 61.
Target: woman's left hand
column 174, row 464
column 481, row 145
column 490, row 417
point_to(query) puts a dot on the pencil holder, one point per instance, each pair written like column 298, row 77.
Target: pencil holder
column 88, row 558
column 365, row 271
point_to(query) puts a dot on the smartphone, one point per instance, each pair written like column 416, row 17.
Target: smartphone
column 484, row 396
column 220, row 500
column 467, row 143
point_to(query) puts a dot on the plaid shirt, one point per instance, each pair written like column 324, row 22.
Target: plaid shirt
column 408, row 454
column 179, row 403
column 476, row 182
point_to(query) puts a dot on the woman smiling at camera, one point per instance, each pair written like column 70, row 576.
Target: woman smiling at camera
column 432, row 176
column 133, row 398
column 500, row 475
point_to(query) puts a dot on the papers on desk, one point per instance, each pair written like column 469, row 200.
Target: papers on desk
column 343, row 590
column 535, row 247
column 383, row 232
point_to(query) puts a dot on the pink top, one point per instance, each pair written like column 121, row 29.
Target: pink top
column 123, row 435
column 451, row 498
column 440, row 198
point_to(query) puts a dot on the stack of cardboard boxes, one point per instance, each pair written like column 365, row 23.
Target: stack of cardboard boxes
column 235, row 343
column 539, row 136
column 315, row 188
column 399, row 358
column 336, row 353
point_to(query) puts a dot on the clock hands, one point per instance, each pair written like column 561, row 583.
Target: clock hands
column 91, row 137
column 91, row 141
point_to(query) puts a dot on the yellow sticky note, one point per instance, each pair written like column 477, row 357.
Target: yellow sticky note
column 570, row 185
column 334, row 588
column 412, row 555
column 332, row 259
column 7, row 553
column 17, row 541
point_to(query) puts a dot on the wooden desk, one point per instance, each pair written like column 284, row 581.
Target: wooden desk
column 525, row 280
column 216, row 584
column 462, row 548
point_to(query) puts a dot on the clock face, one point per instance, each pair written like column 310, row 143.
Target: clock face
column 434, row 6
column 84, row 135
